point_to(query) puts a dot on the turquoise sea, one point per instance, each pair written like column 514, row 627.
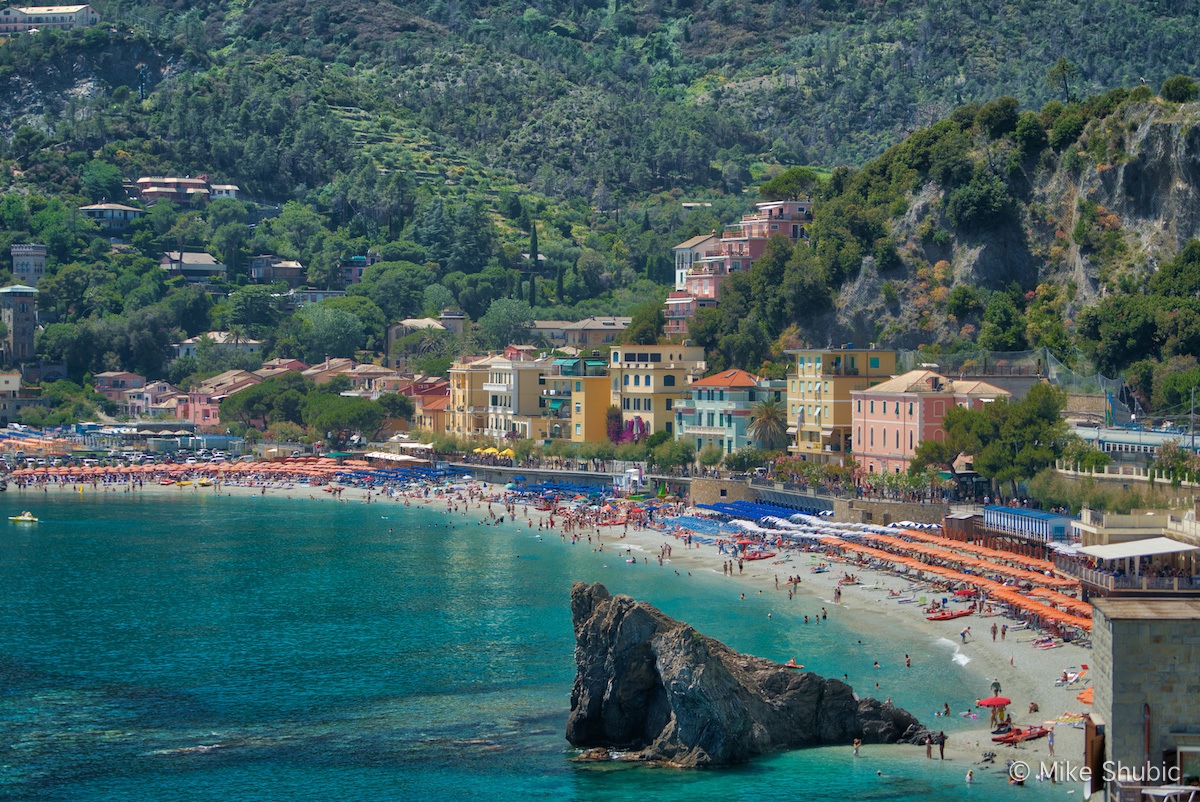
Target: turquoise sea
column 214, row 648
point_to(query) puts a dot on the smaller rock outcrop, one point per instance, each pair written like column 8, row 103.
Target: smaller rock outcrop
column 654, row 689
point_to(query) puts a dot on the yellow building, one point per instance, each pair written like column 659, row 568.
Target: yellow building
column 466, row 414
column 818, row 394
column 648, row 380
column 589, row 415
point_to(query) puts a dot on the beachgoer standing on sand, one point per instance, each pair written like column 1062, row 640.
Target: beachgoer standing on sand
column 1003, row 631
column 995, row 630
column 928, row 748
column 942, row 745
column 1050, row 741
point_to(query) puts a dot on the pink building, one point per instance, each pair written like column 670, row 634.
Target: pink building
column 739, row 245
column 203, row 402
column 892, row 418
column 112, row 384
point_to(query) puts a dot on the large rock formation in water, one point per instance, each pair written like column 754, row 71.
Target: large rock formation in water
column 655, row 689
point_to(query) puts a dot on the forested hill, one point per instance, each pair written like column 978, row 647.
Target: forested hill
column 593, row 96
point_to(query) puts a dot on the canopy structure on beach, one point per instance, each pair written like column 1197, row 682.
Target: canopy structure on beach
column 1148, row 547
column 995, row 701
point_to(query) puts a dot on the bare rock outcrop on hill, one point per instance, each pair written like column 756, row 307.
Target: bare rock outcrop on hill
column 655, row 689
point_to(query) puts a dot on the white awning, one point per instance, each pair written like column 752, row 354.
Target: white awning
column 390, row 457
column 1137, row 548
column 791, row 430
column 415, row 446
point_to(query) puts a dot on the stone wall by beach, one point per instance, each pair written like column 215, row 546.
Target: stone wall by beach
column 715, row 491
column 881, row 513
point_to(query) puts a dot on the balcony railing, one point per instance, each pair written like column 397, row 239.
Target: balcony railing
column 1106, row 581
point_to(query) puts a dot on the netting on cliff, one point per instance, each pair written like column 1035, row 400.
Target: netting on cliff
column 1038, row 362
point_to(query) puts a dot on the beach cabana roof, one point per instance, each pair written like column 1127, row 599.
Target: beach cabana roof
column 1148, row 547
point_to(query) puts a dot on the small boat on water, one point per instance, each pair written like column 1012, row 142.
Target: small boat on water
column 26, row 517
column 948, row 615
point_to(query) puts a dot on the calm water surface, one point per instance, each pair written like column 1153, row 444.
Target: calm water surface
column 206, row 648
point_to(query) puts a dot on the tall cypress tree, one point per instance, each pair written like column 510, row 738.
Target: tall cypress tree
column 533, row 289
column 533, row 247
column 558, row 284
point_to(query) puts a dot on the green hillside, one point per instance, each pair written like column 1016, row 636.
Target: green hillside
column 978, row 190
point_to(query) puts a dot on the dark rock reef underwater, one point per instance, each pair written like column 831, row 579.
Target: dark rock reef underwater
column 654, row 689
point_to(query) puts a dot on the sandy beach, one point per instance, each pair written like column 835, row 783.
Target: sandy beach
column 1026, row 674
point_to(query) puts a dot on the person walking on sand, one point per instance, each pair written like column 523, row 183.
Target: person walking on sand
column 995, row 631
column 1003, row 631
column 1050, row 741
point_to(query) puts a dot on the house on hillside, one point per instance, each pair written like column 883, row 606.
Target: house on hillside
column 195, row 266
column 323, row 372
column 267, row 268
column 595, row 331
column 112, row 216
column 737, row 248
column 221, row 341
column 112, row 384
column 25, row 19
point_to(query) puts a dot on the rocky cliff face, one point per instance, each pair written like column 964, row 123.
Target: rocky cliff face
column 657, row 690
column 1138, row 168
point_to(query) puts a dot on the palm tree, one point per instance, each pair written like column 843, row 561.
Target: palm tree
column 768, row 425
